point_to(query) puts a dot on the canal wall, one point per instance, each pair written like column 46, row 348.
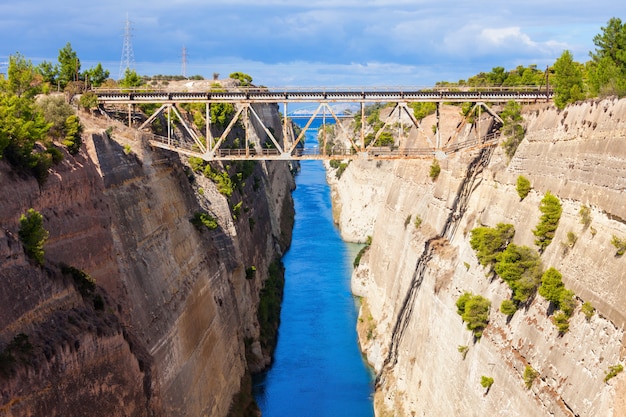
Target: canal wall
column 171, row 326
column 414, row 271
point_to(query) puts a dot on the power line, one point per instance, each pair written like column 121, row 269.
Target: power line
column 128, row 57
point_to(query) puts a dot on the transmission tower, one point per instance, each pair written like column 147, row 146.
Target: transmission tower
column 128, row 58
column 184, row 61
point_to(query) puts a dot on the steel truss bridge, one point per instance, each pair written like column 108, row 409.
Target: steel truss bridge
column 211, row 148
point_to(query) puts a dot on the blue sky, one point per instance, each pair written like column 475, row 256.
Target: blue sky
column 309, row 43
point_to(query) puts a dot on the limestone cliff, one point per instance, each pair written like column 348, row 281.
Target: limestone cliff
column 172, row 329
column 411, row 277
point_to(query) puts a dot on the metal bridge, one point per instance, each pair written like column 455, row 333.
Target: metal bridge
column 286, row 147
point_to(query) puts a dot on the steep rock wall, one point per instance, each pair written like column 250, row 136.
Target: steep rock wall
column 411, row 277
column 179, row 312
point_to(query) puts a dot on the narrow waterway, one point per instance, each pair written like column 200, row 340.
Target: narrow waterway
column 318, row 369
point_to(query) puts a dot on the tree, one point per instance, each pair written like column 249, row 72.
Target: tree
column 23, row 80
column 551, row 208
column 96, row 76
column 568, row 80
column 244, row 79
column 488, row 242
column 21, row 125
column 33, row 235
column 131, row 79
column 551, row 286
column 73, row 130
column 48, row 72
column 607, row 68
column 69, row 65
column 520, row 267
column 523, row 186
column 474, row 310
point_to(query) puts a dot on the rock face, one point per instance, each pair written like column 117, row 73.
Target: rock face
column 178, row 311
column 411, row 276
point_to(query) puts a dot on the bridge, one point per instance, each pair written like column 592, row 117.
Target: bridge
column 286, row 147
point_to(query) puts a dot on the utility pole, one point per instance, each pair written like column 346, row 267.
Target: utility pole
column 128, row 58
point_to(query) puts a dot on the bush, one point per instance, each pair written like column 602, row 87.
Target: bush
column 520, row 267
column 474, row 310
column 613, row 371
column 201, row 220
column 529, row 376
column 523, row 187
column 620, row 245
column 486, row 382
column 435, row 170
column 33, row 235
column 588, row 310
column 508, row 307
column 417, row 221
column 585, row 215
column 561, row 321
column 552, row 286
column 551, row 208
column 567, row 302
column 73, row 130
column 512, row 128
column 488, row 242
column 463, row 349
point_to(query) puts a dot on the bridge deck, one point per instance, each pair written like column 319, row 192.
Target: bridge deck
column 322, row 96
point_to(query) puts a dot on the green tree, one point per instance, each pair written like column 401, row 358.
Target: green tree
column 97, row 75
column 568, row 80
column 488, row 242
column 73, row 130
column 607, row 69
column 131, row 79
column 523, row 186
column 48, row 71
column 244, row 79
column 474, row 310
column 508, row 307
column 551, row 285
column 551, row 208
column 435, row 170
column 33, row 235
column 520, row 267
column 23, row 80
column 21, row 125
column 69, row 65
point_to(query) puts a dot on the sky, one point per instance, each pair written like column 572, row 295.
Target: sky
column 311, row 43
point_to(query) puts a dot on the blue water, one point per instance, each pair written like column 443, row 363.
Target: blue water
column 318, row 369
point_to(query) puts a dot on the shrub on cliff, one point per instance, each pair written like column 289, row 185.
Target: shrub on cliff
column 551, row 208
column 620, row 245
column 474, row 310
column 435, row 170
column 523, row 187
column 508, row 307
column 201, row 220
column 488, row 242
column 520, row 267
column 73, row 130
column 33, row 235
column 551, row 286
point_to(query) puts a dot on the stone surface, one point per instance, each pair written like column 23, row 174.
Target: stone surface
column 416, row 274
